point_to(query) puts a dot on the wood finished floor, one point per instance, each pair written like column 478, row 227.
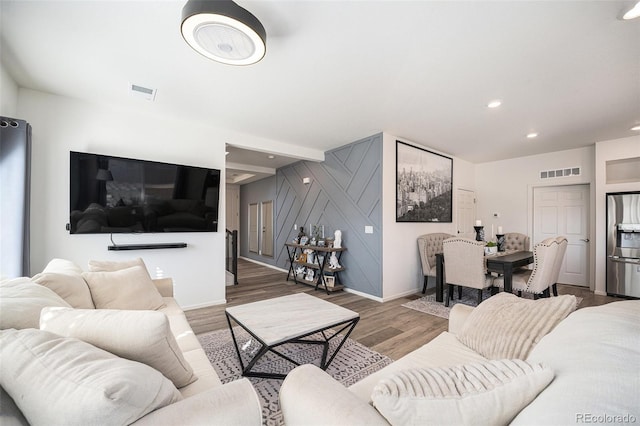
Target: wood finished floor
column 386, row 327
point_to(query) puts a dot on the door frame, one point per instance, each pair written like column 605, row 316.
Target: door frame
column 592, row 215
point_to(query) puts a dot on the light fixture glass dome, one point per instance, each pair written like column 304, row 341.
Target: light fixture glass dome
column 223, row 31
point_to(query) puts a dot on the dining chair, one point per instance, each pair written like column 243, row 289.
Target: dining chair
column 516, row 241
column 428, row 246
column 539, row 279
column 465, row 266
column 562, row 249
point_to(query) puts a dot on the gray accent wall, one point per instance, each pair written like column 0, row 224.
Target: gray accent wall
column 345, row 193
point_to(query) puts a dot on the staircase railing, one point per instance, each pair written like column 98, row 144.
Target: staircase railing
column 232, row 254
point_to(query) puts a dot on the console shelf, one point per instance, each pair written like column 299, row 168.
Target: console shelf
column 120, row 247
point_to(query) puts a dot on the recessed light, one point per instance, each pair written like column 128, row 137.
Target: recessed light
column 271, row 157
column 226, row 153
column 636, row 128
column 494, row 104
column 532, row 135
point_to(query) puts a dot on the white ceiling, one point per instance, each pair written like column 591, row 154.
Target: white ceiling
column 338, row 71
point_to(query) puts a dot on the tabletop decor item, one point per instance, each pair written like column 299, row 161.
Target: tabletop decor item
column 501, row 242
column 479, row 233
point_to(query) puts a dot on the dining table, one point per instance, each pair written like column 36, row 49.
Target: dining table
column 503, row 263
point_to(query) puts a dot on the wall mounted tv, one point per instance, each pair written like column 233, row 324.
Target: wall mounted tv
column 122, row 195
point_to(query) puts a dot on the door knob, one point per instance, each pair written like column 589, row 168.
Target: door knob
column 586, row 240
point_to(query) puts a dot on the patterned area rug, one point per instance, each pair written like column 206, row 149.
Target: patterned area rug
column 428, row 304
column 353, row 362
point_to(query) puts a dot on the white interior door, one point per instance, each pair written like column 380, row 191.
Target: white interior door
column 466, row 213
column 564, row 210
column 233, row 207
column 266, row 242
column 253, row 228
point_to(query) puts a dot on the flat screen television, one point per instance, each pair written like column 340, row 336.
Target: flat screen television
column 123, row 195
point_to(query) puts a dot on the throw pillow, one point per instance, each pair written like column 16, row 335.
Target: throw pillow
column 62, row 266
column 507, row 326
column 116, row 265
column 143, row 336
column 21, row 301
column 61, row 380
column 71, row 287
column 491, row 392
column 129, row 288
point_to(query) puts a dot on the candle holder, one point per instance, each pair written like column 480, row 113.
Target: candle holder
column 501, row 241
column 479, row 233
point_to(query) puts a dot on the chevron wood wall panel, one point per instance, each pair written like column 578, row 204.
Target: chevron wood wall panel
column 345, row 193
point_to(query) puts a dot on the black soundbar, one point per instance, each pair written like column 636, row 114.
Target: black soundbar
column 146, row 246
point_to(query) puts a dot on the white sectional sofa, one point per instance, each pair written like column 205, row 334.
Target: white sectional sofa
column 583, row 371
column 144, row 327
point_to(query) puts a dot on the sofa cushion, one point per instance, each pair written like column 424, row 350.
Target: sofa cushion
column 62, row 266
column 116, row 265
column 443, row 351
column 492, row 392
column 507, row 326
column 61, row 380
column 65, row 278
column 129, row 288
column 21, row 301
column 71, row 287
column 143, row 336
column 595, row 354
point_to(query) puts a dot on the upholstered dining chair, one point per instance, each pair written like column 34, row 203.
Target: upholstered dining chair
column 428, row 246
column 516, row 241
column 465, row 265
column 562, row 249
column 539, row 279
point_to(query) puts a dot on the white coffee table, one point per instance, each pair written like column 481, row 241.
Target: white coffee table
column 289, row 319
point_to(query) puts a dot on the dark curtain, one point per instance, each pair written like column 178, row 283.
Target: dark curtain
column 15, row 190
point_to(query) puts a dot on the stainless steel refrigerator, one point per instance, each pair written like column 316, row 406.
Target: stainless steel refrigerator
column 623, row 244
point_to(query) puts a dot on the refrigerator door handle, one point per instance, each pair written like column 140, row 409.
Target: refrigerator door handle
column 624, row 260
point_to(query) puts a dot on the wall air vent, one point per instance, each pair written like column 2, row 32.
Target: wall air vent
column 142, row 92
column 558, row 173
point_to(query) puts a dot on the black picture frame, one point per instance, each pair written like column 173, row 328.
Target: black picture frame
column 424, row 185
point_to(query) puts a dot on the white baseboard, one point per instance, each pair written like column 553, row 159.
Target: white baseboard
column 365, row 295
column 263, row 264
column 205, row 305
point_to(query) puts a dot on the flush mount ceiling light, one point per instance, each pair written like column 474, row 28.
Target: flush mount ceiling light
column 494, row 104
column 223, row 31
column 532, row 135
column 636, row 128
column 632, row 13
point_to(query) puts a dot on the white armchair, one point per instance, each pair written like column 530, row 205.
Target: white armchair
column 562, row 249
column 465, row 266
column 538, row 280
column 516, row 241
column 428, row 246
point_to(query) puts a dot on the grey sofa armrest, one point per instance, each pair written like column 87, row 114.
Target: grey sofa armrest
column 458, row 316
column 309, row 396
column 164, row 286
column 233, row 404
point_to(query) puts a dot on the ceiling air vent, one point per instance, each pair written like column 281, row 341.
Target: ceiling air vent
column 557, row 173
column 142, row 92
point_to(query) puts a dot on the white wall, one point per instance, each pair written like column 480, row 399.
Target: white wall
column 506, row 187
column 60, row 125
column 401, row 272
column 8, row 94
column 606, row 151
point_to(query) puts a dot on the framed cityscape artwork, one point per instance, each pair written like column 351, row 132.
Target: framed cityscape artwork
column 424, row 185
